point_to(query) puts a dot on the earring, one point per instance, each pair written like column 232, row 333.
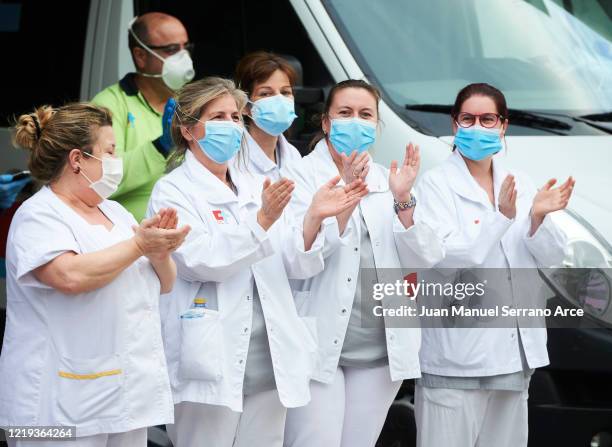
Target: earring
column 76, row 170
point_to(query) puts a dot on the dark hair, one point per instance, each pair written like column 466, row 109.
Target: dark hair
column 258, row 67
column 349, row 83
column 481, row 89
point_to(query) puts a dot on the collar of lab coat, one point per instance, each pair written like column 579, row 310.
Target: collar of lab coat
column 214, row 189
column 67, row 212
column 466, row 186
column 260, row 159
column 376, row 179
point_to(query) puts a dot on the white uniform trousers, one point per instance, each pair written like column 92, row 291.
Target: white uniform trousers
column 349, row 412
column 470, row 418
column 260, row 424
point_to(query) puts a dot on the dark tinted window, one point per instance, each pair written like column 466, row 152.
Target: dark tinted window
column 42, row 53
column 225, row 31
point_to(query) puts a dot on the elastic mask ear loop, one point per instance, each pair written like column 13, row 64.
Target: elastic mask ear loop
column 190, row 134
column 504, row 138
column 85, row 175
column 252, row 104
column 178, row 109
column 92, row 156
column 81, row 169
column 142, row 44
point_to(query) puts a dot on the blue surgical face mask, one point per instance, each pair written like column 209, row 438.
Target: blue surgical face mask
column 221, row 141
column 478, row 143
column 354, row 134
column 273, row 115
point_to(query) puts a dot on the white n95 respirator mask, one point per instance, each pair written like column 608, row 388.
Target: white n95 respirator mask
column 112, row 173
column 177, row 69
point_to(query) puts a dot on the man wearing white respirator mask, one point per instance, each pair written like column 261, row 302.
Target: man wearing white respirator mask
column 142, row 104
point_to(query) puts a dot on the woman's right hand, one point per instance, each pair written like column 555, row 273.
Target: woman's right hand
column 274, row 198
column 507, row 197
column 332, row 200
column 159, row 236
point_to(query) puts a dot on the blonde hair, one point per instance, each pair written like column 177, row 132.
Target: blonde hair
column 50, row 134
column 191, row 101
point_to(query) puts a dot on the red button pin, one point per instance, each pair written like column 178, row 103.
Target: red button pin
column 477, row 221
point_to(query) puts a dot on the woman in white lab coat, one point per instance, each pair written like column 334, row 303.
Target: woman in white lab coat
column 362, row 362
column 83, row 345
column 268, row 80
column 473, row 391
column 236, row 365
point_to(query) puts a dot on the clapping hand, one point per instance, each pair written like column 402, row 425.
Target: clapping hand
column 401, row 180
column 354, row 166
column 331, row 199
column 274, row 198
column 158, row 236
column 549, row 199
column 507, row 197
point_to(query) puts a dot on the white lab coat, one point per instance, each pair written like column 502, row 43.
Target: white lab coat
column 459, row 211
column 95, row 359
column 329, row 296
column 225, row 250
column 259, row 163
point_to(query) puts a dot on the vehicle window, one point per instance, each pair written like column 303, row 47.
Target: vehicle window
column 43, row 45
column 545, row 55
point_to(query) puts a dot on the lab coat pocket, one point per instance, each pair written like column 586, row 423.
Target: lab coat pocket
column 201, row 354
column 89, row 389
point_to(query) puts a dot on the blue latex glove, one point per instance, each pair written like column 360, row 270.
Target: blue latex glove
column 165, row 141
column 9, row 189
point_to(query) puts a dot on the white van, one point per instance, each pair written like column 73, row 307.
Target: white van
column 552, row 59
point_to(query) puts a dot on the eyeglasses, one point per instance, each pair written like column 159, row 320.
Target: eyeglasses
column 173, row 48
column 487, row 120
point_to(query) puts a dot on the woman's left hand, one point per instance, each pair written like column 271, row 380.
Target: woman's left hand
column 549, row 199
column 401, row 180
column 355, row 166
column 168, row 219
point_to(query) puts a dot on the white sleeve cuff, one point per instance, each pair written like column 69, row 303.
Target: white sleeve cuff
column 418, row 246
column 255, row 228
column 330, row 228
column 260, row 234
column 547, row 244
